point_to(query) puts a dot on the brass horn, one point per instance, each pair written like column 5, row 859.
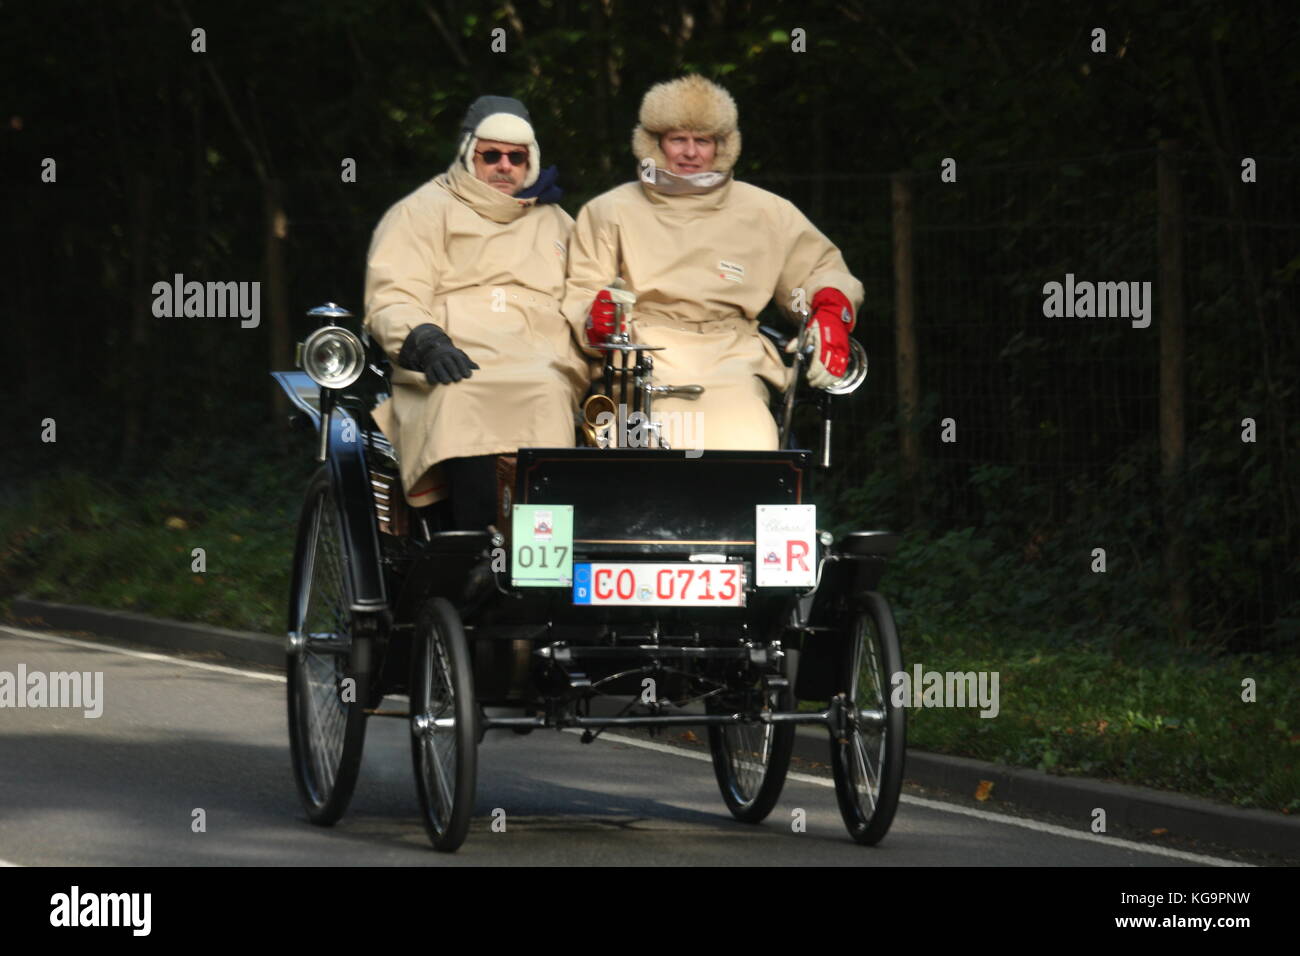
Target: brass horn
column 592, row 409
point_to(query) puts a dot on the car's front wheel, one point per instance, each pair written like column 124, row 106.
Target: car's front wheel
column 327, row 680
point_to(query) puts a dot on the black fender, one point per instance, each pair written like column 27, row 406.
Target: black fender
column 856, row 568
column 350, row 477
column 302, row 392
column 356, row 501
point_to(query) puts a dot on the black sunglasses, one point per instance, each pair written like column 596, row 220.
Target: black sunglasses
column 493, row 156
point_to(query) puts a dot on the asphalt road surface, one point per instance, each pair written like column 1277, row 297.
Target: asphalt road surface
column 178, row 735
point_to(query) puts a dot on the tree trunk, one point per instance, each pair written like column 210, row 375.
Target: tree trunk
column 600, row 61
column 275, row 233
column 1173, row 419
column 909, row 386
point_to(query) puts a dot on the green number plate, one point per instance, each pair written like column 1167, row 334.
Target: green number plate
column 541, row 546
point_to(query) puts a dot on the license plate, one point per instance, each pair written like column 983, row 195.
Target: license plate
column 541, row 550
column 659, row 585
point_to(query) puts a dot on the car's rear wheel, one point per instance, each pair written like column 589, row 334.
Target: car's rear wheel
column 326, row 687
column 867, row 749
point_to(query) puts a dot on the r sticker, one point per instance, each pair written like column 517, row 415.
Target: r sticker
column 785, row 546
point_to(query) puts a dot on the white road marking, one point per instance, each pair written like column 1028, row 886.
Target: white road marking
column 986, row 815
column 1115, row 842
column 143, row 655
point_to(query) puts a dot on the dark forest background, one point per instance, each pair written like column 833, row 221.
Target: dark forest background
column 226, row 165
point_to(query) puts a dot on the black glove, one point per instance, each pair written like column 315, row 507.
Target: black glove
column 427, row 349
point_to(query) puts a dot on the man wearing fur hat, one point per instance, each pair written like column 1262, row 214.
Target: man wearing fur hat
column 704, row 254
column 463, row 285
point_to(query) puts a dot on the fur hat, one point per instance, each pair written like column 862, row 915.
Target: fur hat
column 505, row 120
column 692, row 103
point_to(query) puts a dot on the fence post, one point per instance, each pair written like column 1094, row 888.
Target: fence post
column 906, row 360
column 275, row 230
column 1173, row 419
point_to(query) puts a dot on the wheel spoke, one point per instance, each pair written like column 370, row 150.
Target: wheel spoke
column 749, row 758
column 440, row 780
column 870, row 782
column 747, row 748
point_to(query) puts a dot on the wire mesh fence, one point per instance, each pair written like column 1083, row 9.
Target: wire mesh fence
column 1062, row 406
column 1055, row 407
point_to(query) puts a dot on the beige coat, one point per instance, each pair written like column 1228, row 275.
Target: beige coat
column 703, row 265
column 489, row 270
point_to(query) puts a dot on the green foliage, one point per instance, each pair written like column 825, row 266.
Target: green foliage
column 1157, row 718
column 75, row 538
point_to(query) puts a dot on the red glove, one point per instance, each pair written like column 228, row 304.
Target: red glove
column 600, row 318
column 833, row 319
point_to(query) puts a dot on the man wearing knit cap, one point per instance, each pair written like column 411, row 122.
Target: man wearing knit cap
column 463, row 285
column 704, row 254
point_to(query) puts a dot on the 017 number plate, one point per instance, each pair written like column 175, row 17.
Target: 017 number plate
column 659, row 585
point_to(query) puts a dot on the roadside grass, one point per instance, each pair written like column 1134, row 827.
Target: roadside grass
column 73, row 537
column 1090, row 681
column 1080, row 693
column 1156, row 719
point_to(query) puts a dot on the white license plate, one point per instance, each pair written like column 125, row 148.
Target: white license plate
column 659, row 585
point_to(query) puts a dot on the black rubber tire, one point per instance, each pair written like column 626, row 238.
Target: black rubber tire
column 870, row 750
column 751, row 792
column 326, row 731
column 445, row 786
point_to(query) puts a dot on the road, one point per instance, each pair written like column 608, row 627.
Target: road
column 177, row 735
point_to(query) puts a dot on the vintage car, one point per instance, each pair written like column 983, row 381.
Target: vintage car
column 693, row 590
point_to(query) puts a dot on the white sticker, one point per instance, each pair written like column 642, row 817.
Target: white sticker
column 731, row 271
column 785, row 546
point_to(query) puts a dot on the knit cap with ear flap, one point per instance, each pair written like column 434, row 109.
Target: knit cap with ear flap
column 505, row 120
column 690, row 103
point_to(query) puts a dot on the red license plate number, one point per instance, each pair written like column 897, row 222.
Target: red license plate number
column 659, row 585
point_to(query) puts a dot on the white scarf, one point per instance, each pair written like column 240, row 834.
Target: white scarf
column 691, row 184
